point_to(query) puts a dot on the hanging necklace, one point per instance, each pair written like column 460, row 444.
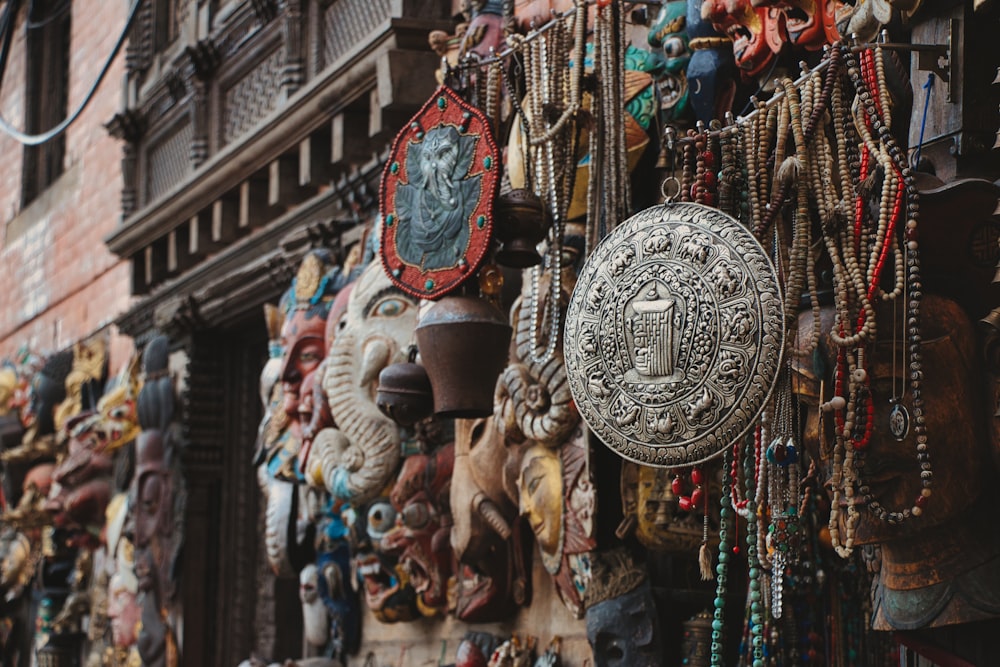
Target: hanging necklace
column 871, row 74
column 554, row 84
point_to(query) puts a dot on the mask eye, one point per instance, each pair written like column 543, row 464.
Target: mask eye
column 381, row 519
column 674, row 47
column 389, row 307
column 415, row 516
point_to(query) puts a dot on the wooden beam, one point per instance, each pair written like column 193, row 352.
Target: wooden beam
column 282, row 181
column 253, row 202
column 314, row 159
column 348, row 139
column 200, row 235
column 225, row 218
column 172, row 263
column 155, row 262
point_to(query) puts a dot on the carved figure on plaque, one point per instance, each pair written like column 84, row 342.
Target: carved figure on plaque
column 687, row 349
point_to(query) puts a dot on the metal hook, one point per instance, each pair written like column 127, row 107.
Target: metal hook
column 670, row 189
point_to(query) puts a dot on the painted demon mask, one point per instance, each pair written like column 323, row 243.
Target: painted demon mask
column 386, row 587
column 668, row 34
column 420, row 538
column 809, row 24
column 82, row 479
column 756, row 38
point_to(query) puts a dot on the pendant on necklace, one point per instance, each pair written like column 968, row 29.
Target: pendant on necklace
column 899, row 420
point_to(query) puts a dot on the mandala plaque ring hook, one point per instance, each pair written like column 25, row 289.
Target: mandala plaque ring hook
column 670, row 189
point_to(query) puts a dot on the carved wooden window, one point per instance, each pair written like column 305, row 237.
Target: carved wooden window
column 347, row 23
column 46, row 92
column 166, row 22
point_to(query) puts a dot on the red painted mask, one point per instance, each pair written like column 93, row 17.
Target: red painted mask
column 756, row 35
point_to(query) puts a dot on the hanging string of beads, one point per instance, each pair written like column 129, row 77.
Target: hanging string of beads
column 554, row 79
column 612, row 157
column 722, row 568
column 758, row 605
column 878, row 122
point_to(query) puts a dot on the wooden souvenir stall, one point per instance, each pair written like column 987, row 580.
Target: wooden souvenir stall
column 657, row 333
column 659, row 351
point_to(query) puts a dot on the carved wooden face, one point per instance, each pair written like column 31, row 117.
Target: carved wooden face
column 387, row 590
column 862, row 17
column 622, row 631
column 420, row 537
column 303, row 341
column 954, row 416
column 747, row 26
column 124, row 611
column 8, row 386
column 481, row 534
column 804, row 21
column 540, row 487
column 153, row 510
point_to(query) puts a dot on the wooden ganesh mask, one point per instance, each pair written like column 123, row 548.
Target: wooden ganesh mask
column 357, row 459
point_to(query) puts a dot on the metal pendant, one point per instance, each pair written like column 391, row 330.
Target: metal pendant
column 899, row 420
column 674, row 335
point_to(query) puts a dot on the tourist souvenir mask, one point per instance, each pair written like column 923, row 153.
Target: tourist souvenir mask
column 753, row 48
column 357, row 459
column 386, row 587
column 686, row 308
column 807, row 22
column 668, row 33
column 423, row 524
column 862, row 18
column 303, row 334
column 437, row 197
column 557, row 499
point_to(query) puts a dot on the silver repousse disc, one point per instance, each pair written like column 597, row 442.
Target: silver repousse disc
column 674, row 335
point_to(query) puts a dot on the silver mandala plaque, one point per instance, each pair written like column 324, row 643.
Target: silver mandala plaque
column 674, row 335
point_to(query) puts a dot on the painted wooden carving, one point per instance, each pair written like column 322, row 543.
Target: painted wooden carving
column 668, row 36
column 622, row 623
column 442, row 176
column 387, row 589
column 711, row 73
column 46, row 391
column 533, row 399
column 357, row 459
column 665, row 510
column 756, row 35
column 286, row 430
column 420, row 537
column 485, row 536
column 558, row 500
column 157, row 502
column 939, row 568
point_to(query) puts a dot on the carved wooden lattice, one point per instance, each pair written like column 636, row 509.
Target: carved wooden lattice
column 347, row 22
column 252, row 97
column 168, row 162
column 182, row 14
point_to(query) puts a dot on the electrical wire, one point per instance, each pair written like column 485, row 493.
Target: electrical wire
column 38, row 139
column 7, row 32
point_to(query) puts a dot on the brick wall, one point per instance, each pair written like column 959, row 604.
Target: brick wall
column 62, row 283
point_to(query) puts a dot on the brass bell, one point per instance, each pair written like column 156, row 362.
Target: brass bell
column 521, row 224
column 404, row 392
column 463, row 343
